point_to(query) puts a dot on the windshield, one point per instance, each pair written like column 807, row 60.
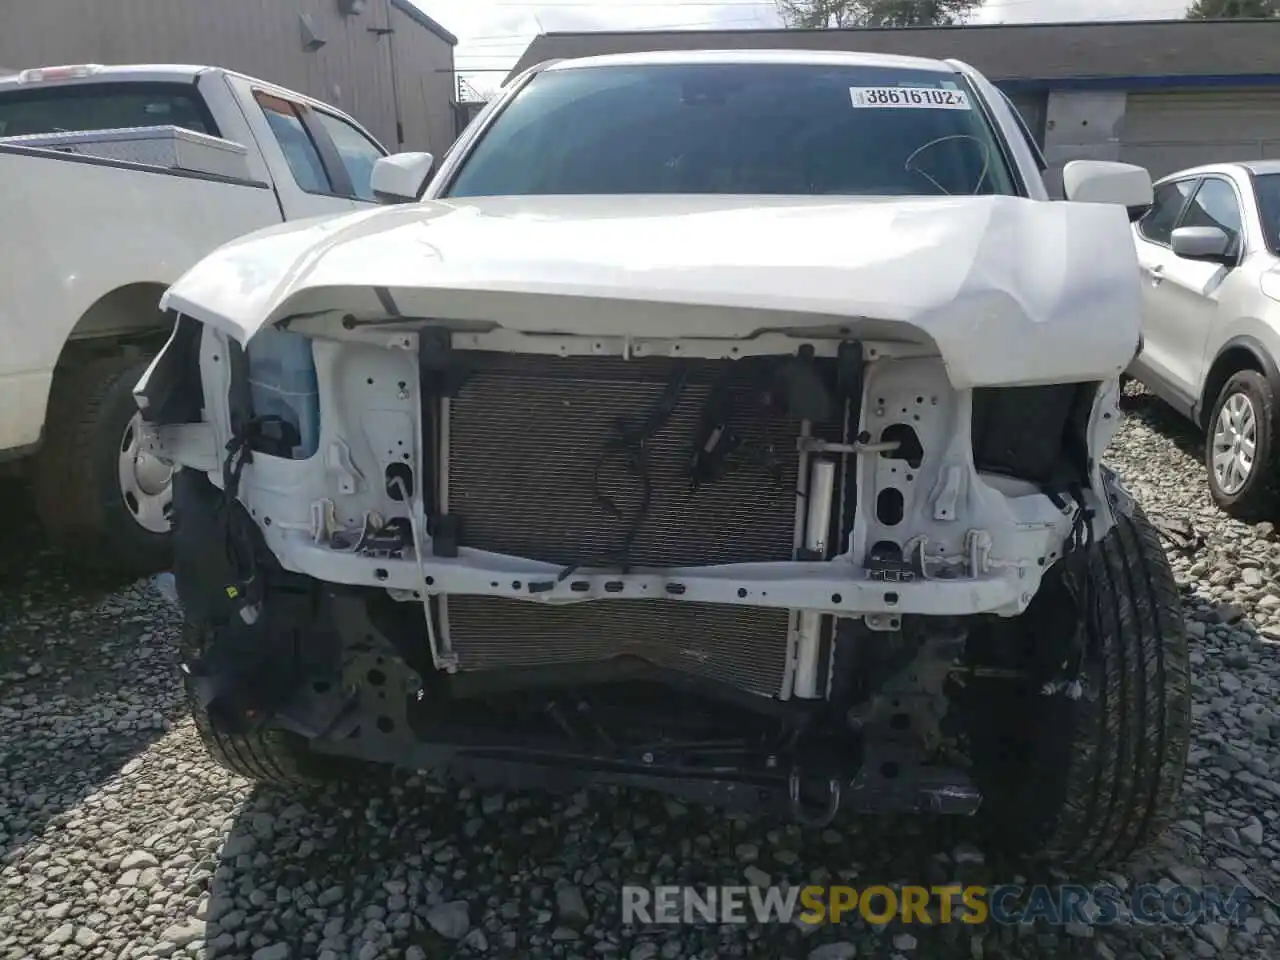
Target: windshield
column 1268, row 187
column 739, row 129
column 104, row 106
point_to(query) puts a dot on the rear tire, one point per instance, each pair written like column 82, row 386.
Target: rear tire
column 80, row 494
column 278, row 757
column 1247, row 397
column 1080, row 783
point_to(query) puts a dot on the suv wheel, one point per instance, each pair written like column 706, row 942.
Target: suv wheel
column 1238, row 448
column 1077, row 783
column 96, row 490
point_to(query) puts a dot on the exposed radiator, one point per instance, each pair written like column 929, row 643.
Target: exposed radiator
column 743, row 646
column 525, row 436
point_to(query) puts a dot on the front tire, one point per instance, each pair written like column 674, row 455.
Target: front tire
column 1080, row 783
column 97, row 492
column 1240, row 448
column 269, row 756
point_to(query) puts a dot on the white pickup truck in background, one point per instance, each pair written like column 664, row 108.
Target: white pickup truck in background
column 113, row 182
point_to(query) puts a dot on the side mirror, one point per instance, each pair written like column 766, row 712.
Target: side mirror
column 401, row 177
column 1105, row 181
column 1202, row 243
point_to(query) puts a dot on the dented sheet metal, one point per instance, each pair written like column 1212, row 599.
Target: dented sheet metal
column 1009, row 290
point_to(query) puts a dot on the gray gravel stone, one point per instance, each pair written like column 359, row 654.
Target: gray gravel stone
column 450, row 920
column 840, row 950
column 86, row 937
column 570, row 906
column 1216, row 934
column 58, row 911
column 183, row 933
column 139, row 859
column 61, row 935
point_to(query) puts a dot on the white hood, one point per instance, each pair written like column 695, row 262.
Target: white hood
column 1010, row 290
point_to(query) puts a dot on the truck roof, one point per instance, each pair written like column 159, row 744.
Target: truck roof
column 66, row 75
column 1262, row 167
column 71, row 74
column 841, row 58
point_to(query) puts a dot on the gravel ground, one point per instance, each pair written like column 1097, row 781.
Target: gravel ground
column 118, row 839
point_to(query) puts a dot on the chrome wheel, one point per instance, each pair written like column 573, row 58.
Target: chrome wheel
column 1235, row 438
column 146, row 483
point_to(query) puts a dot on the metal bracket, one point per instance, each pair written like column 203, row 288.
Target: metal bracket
column 802, row 816
column 339, row 463
column 882, row 622
column 324, row 520
column 194, row 445
column 977, row 546
column 814, row 445
column 917, row 689
column 1121, row 498
column 944, row 504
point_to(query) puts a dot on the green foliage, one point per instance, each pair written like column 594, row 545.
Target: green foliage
column 817, row 14
column 1233, row 9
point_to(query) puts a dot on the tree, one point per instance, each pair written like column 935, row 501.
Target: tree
column 817, row 14
column 1233, row 9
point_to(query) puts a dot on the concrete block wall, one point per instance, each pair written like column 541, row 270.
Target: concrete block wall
column 1081, row 125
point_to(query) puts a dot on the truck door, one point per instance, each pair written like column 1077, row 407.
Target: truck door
column 329, row 158
column 310, row 179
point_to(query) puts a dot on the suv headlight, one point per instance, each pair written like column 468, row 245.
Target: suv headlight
column 1270, row 284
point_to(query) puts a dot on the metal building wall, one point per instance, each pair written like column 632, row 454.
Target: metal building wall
column 264, row 38
column 1170, row 130
column 1162, row 130
column 1046, row 51
column 425, row 84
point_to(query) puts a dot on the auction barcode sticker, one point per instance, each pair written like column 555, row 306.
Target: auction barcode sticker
column 924, row 98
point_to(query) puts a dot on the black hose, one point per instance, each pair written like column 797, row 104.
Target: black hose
column 630, row 442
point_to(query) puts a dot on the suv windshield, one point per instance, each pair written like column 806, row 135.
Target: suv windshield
column 1268, row 187
column 739, row 128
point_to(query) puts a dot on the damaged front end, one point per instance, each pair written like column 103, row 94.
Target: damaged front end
column 746, row 571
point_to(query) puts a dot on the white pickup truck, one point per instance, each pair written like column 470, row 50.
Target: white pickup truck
column 90, row 237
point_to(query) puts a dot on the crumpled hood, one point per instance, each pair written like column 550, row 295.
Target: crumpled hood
column 1010, row 290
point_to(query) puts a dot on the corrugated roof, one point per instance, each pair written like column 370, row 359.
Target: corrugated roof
column 410, row 9
column 1039, row 51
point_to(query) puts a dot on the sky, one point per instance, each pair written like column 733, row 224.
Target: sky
column 493, row 33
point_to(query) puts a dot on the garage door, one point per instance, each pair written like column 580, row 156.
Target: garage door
column 1166, row 132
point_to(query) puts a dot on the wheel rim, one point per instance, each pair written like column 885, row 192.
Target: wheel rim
column 146, row 483
column 1235, row 443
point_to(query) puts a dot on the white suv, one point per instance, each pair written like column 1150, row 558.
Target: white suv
column 1209, row 250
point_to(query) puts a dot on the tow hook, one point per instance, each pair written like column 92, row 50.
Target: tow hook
column 803, row 816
